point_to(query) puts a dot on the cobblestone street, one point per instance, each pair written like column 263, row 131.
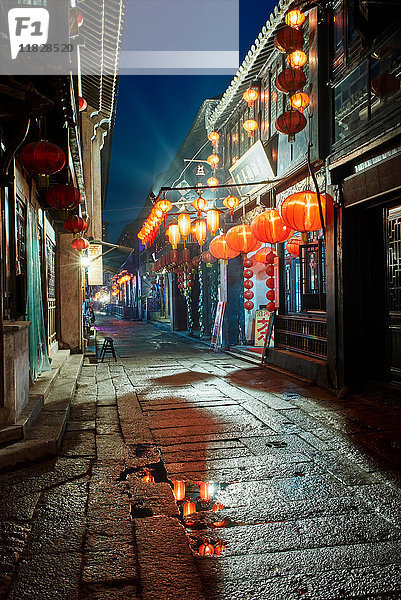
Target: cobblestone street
column 305, row 486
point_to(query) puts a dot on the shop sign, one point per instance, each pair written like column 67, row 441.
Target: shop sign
column 252, row 167
column 262, row 325
column 95, row 268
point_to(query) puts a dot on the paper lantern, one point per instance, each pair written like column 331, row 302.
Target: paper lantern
column 294, row 18
column 213, row 219
column 241, row 239
column 75, row 225
column 248, row 294
column 206, row 550
column 301, row 211
column 290, row 123
column 212, row 181
column 248, row 284
column 290, row 81
column 213, row 160
column 248, row 263
column 231, row 202
column 271, row 306
column 299, row 101
column 63, row 197
column 250, row 126
column 288, row 40
column 80, row 244
column 221, row 250
column 189, row 508
column 293, row 245
column 270, row 228
column 248, row 274
column 213, row 137
column 250, row 96
column 42, row 158
column 297, row 59
column 200, row 231
column 174, row 235
column 200, row 204
column 270, row 295
column 205, row 494
column 269, row 270
column 82, row 104
column 184, row 222
column 164, row 205
column 270, row 283
column 248, row 305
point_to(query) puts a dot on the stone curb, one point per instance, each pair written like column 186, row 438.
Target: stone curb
column 44, row 437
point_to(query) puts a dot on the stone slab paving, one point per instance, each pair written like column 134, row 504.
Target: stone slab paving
column 310, row 486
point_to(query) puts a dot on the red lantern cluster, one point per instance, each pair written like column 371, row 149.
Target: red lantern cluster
column 270, row 282
column 248, row 284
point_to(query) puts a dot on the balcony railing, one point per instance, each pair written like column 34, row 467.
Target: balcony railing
column 298, row 334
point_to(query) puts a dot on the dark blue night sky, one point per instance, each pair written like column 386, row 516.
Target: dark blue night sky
column 154, row 113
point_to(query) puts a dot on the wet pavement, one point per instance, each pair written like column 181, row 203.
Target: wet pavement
column 190, row 475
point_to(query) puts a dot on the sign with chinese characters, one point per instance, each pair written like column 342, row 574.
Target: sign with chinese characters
column 262, row 326
column 95, row 268
column 252, row 167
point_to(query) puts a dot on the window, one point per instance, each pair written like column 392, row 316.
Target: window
column 313, row 276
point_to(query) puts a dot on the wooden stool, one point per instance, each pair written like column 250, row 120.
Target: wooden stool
column 108, row 346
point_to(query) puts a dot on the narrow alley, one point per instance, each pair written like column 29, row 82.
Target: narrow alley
column 191, row 475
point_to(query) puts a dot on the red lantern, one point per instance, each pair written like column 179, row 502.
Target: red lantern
column 75, row 225
column 293, row 245
column 248, row 295
column 297, row 59
column 63, row 197
column 290, row 81
column 200, row 204
column 301, row 211
column 206, row 550
column 80, row 244
column 220, row 249
column 289, row 39
column 207, row 257
column 248, row 274
column 265, row 256
column 270, row 258
column 299, row 101
column 248, row 305
column 82, row 104
column 248, row 284
column 148, row 478
column 205, row 494
column 248, row 263
column 241, row 239
column 42, row 158
column 290, row 123
column 270, row 283
column 271, row 306
column 213, row 137
column 189, row 508
column 217, row 506
column 231, row 202
column 385, row 85
column 218, row 549
column 250, row 96
column 269, row 270
column 294, row 18
column 270, row 295
column 195, row 261
column 250, row 126
column 269, row 227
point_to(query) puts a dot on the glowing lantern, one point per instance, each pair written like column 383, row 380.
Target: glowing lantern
column 290, row 123
column 184, row 222
column 200, row 231
column 189, row 508
column 301, row 211
column 294, row 18
column 248, row 305
column 288, row 40
column 206, row 550
column 164, row 205
column 231, row 202
column 212, row 181
column 250, row 96
column 299, row 101
column 293, row 245
column 218, row 549
column 263, row 255
column 200, row 204
column 213, row 137
column 241, row 239
column 217, row 506
column 250, row 126
column 297, row 59
column 75, row 225
column 80, row 244
column 174, row 235
column 179, row 490
column 148, row 478
column 290, row 80
column 213, row 219
column 205, row 494
column 270, row 228
column 63, row 197
column 221, row 250
column 213, row 160
column 82, row 104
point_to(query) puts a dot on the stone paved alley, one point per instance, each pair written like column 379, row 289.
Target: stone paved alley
column 308, row 483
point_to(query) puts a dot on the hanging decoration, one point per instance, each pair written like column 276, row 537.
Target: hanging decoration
column 299, row 101
column 213, row 160
column 75, row 225
column 290, row 80
column 288, row 40
column 164, row 205
column 208, row 258
column 293, row 245
column 270, row 228
column 264, row 255
column 43, row 159
column 174, row 235
column 213, row 219
column 250, row 96
column 294, row 18
column 248, row 294
column 201, row 300
column 297, row 59
column 231, row 202
column 80, row 243
column 300, row 211
column 213, row 137
column 63, row 197
column 221, row 250
column 184, row 222
column 241, row 239
column 82, row 104
column 250, row 126
column 290, row 123
column 200, row 205
column 200, row 231
column 212, row 181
